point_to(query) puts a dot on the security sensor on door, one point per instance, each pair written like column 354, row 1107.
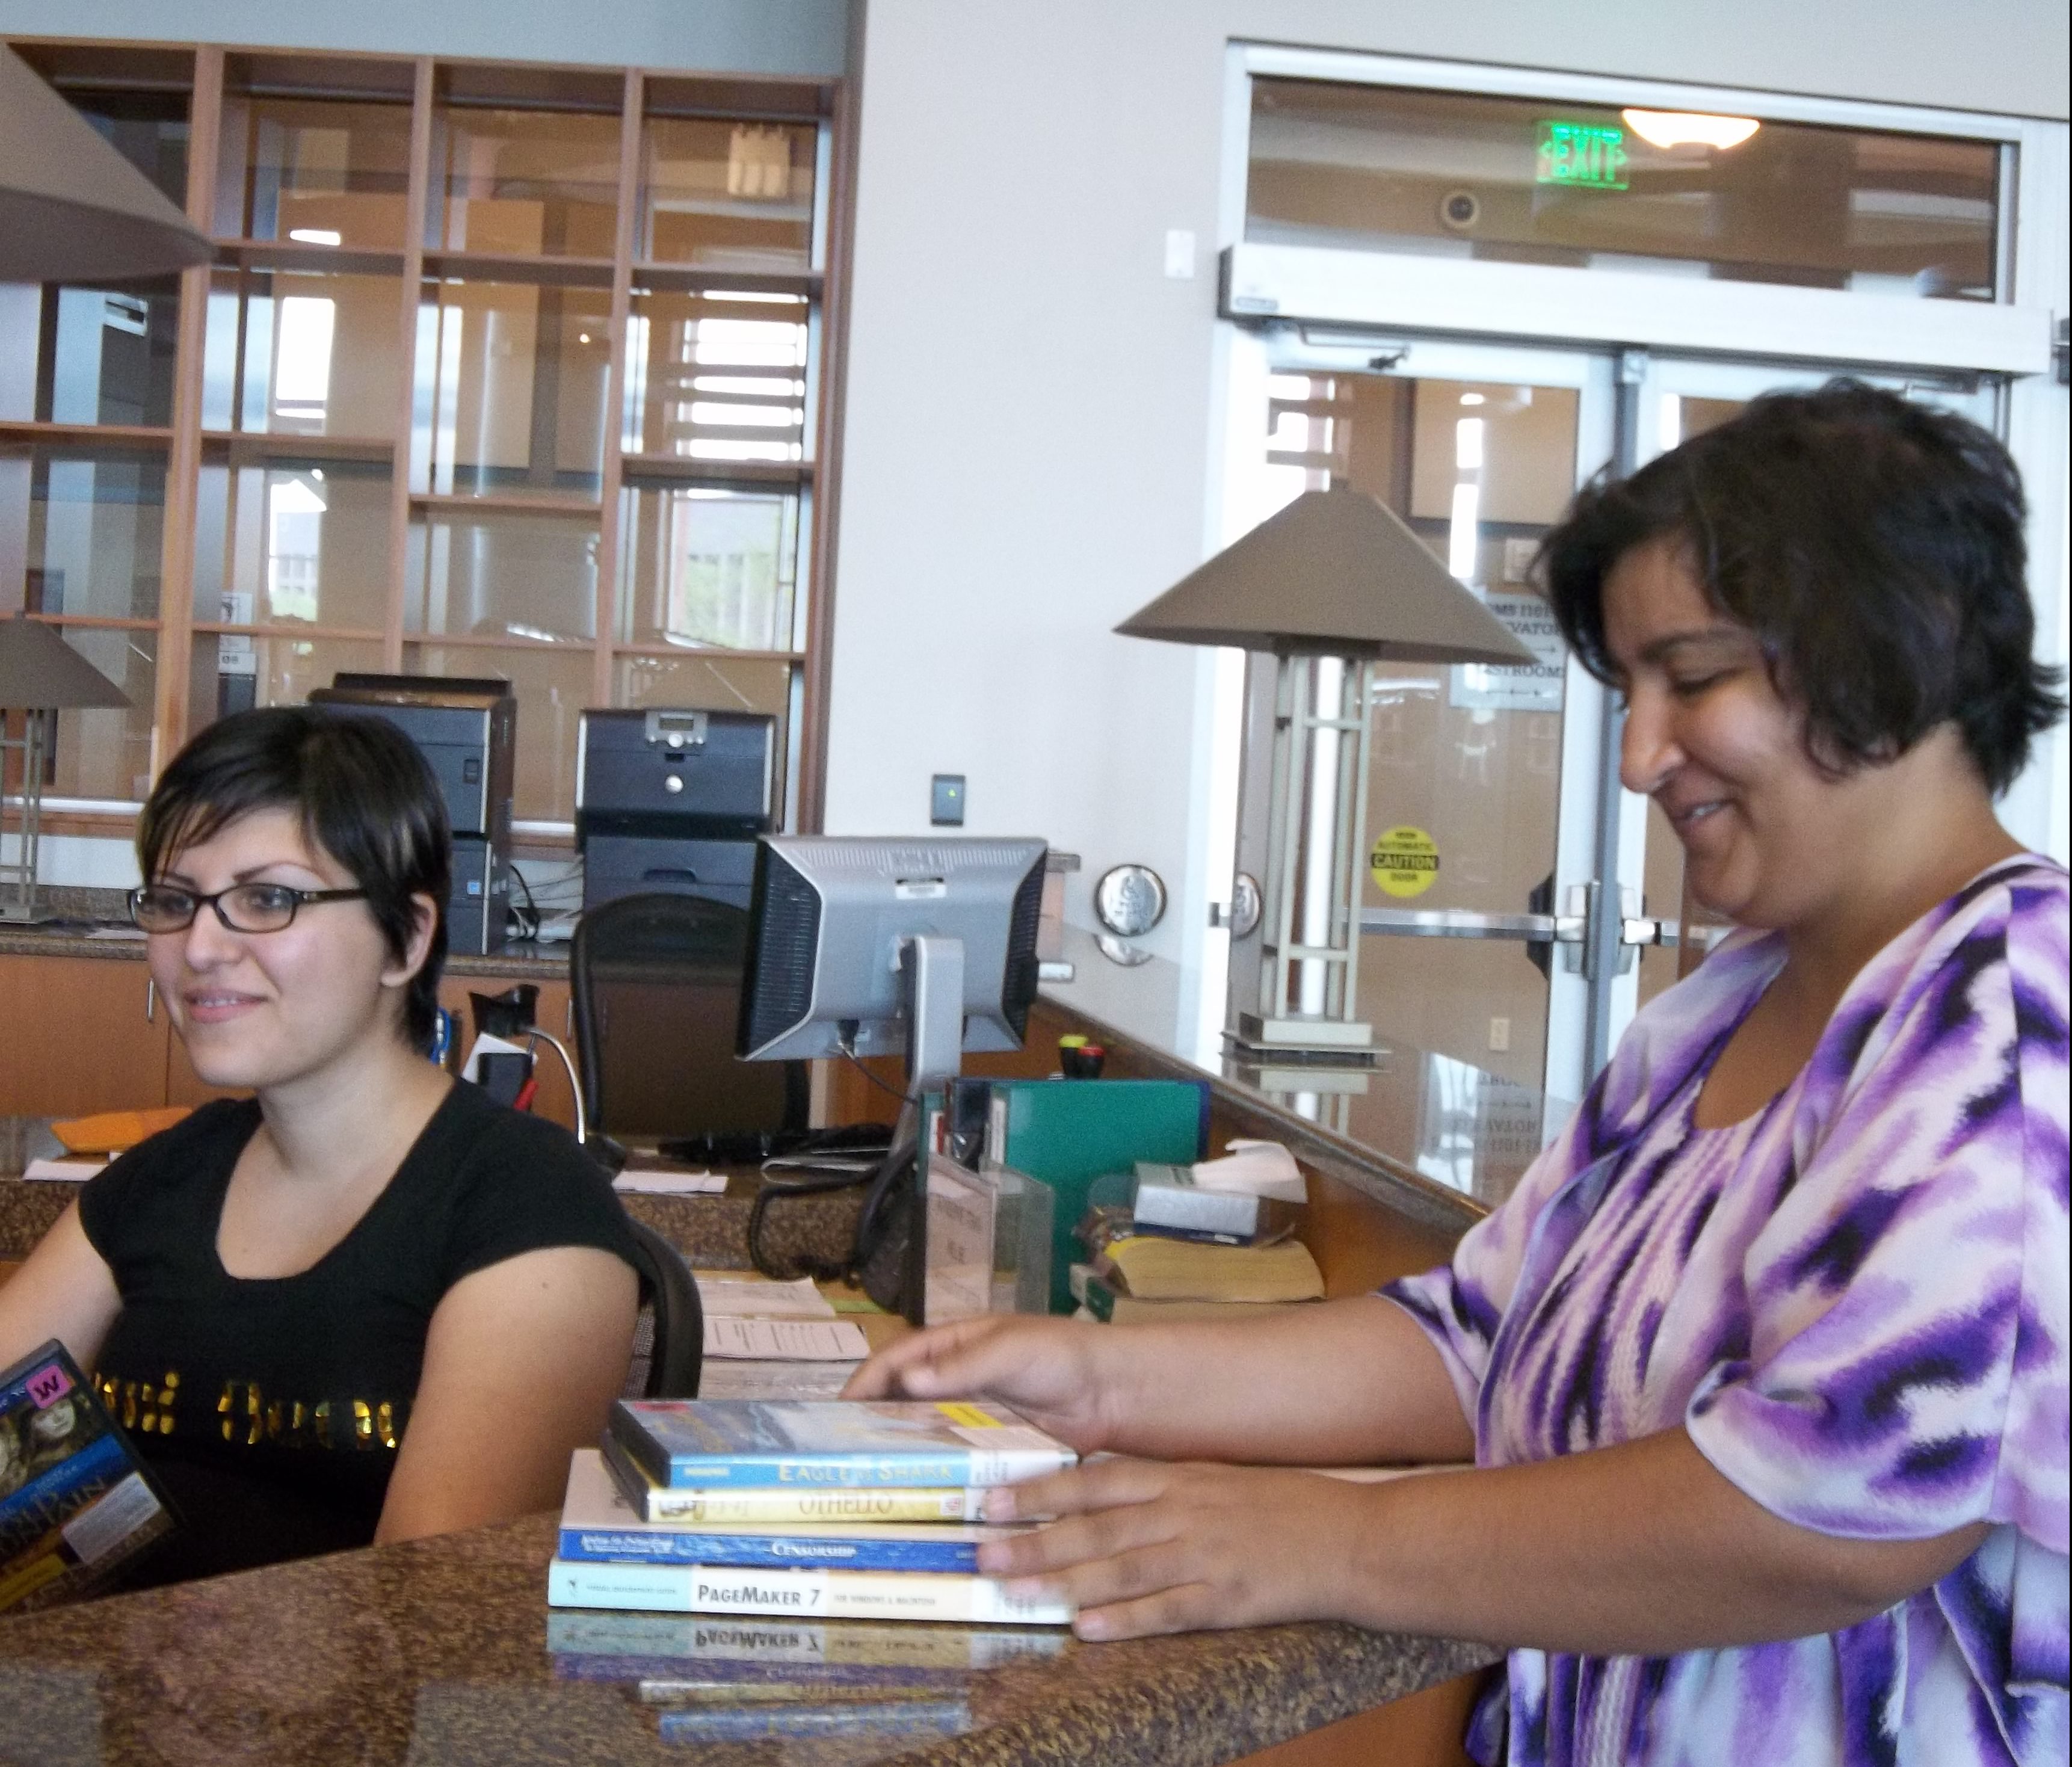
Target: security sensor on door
column 945, row 800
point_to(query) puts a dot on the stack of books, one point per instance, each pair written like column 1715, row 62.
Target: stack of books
column 808, row 1509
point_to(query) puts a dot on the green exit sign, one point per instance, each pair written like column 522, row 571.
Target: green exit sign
column 1591, row 155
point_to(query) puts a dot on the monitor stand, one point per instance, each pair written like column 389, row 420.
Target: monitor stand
column 932, row 986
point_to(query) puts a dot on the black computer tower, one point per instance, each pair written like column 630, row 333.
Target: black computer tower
column 671, row 800
column 467, row 729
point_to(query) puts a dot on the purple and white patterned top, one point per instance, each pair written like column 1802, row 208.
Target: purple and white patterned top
column 1855, row 1302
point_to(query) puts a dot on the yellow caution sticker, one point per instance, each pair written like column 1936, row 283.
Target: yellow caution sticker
column 1405, row 861
column 971, row 1416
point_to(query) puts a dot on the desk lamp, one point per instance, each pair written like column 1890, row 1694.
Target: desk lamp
column 72, row 208
column 1332, row 583
column 39, row 674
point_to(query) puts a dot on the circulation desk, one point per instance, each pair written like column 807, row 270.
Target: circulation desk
column 435, row 1650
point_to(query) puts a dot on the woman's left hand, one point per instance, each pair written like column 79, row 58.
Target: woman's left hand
column 1143, row 1547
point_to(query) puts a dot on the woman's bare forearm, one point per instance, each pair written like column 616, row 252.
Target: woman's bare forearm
column 1346, row 1382
column 1644, row 1548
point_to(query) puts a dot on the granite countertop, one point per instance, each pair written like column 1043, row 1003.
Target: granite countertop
column 436, row 1651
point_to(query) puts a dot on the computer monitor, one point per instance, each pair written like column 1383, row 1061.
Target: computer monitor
column 880, row 947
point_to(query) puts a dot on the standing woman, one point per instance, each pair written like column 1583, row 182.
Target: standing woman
column 365, row 1304
column 1763, row 1367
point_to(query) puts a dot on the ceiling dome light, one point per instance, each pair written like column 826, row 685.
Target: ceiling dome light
column 1674, row 128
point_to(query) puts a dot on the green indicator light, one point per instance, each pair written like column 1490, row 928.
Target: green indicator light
column 1591, row 156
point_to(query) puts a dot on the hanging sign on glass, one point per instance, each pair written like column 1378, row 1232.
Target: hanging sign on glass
column 1480, row 686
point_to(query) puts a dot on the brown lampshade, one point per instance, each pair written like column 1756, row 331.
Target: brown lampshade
column 72, row 208
column 38, row 670
column 1333, row 574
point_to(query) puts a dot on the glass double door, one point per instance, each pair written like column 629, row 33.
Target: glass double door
column 1519, row 905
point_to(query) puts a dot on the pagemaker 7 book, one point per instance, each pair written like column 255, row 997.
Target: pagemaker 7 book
column 76, row 1503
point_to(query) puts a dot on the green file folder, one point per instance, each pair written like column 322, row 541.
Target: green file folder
column 1068, row 1132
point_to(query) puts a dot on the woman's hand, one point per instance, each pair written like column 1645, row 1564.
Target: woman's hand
column 1144, row 1548
column 1051, row 1370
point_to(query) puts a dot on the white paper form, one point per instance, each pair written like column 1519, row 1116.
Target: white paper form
column 785, row 1340
column 654, row 1182
column 741, row 1299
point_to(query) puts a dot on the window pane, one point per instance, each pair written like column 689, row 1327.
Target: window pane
column 317, row 171
column 148, row 128
column 709, row 683
column 716, row 376
column 510, row 391
column 700, row 566
column 732, row 194
column 302, row 354
column 502, row 574
column 1532, row 181
column 524, row 182
column 94, row 526
column 106, row 752
column 553, row 687
column 88, row 355
column 293, row 540
column 234, row 672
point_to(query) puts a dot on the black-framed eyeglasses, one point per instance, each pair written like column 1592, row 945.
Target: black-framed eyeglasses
column 243, row 908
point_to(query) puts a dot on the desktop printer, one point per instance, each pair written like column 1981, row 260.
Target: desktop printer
column 467, row 730
column 671, row 801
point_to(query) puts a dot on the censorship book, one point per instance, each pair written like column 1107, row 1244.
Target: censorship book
column 76, row 1502
column 764, row 1505
column 599, row 1526
column 694, row 1444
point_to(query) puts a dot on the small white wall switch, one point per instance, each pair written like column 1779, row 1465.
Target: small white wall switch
column 1500, row 1034
column 1180, row 254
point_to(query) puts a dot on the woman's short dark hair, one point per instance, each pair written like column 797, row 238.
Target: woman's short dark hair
column 1874, row 546
column 365, row 796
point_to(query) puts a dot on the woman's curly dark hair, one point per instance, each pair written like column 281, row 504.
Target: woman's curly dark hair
column 1874, row 546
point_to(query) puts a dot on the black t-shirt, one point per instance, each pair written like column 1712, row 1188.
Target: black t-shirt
column 272, row 1407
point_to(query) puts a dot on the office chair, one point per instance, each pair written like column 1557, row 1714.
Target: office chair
column 657, row 987
column 669, row 1339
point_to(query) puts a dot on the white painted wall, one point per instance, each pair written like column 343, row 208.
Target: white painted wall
column 1030, row 441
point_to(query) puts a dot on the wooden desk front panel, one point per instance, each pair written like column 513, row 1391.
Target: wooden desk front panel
column 74, row 1039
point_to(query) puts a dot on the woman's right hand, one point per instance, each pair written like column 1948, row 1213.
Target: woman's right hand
column 1051, row 1370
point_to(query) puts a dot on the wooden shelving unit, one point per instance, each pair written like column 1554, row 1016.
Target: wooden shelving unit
column 482, row 351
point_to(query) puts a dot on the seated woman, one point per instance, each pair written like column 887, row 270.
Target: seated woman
column 1763, row 1366
column 365, row 1304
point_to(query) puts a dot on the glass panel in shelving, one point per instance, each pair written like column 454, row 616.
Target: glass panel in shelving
column 315, row 171
column 296, row 353
column 726, row 193
column 90, row 527
column 487, row 573
column 701, row 566
column 233, row 671
column 523, row 182
column 553, row 686
column 285, row 542
column 148, row 128
column 106, row 752
column 718, row 375
column 88, row 355
column 1529, row 180
column 710, row 681
column 510, row 390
